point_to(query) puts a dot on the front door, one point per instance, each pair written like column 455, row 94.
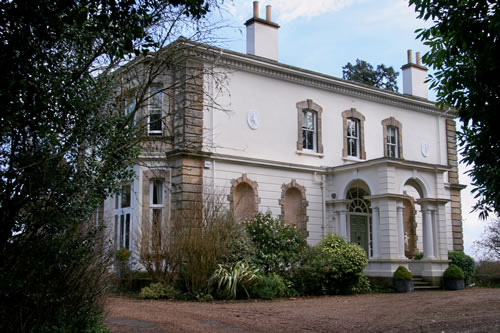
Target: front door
column 359, row 230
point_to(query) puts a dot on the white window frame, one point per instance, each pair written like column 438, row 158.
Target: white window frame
column 314, row 130
column 356, row 138
column 154, row 91
column 392, row 132
column 157, row 206
column 123, row 220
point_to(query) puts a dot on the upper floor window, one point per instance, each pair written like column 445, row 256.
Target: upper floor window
column 392, row 138
column 392, row 141
column 353, row 137
column 155, row 111
column 354, row 145
column 309, row 126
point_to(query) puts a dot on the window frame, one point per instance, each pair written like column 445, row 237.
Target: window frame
column 155, row 207
column 313, row 131
column 154, row 109
column 388, row 123
column 349, row 115
column 317, row 111
column 123, row 219
column 355, row 138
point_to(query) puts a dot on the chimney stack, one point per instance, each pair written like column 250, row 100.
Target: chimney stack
column 262, row 35
column 414, row 76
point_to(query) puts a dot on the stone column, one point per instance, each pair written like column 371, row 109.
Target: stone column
column 343, row 224
column 375, row 227
column 428, row 234
column 401, row 231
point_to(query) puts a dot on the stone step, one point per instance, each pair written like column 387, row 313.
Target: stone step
column 421, row 285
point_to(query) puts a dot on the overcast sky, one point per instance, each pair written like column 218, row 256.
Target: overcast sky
column 324, row 35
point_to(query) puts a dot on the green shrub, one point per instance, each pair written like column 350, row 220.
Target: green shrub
column 465, row 262
column 453, row 272
column 487, row 274
column 229, row 282
column 402, row 273
column 278, row 245
column 272, row 286
column 418, row 256
column 331, row 267
column 157, row 291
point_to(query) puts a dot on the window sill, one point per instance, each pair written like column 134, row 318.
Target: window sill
column 352, row 159
column 309, row 153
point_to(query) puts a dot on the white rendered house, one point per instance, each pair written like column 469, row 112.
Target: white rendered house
column 325, row 154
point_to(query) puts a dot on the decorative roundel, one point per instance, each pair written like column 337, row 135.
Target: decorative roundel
column 253, row 120
column 425, row 149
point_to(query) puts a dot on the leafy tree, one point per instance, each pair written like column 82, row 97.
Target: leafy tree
column 363, row 72
column 464, row 47
column 490, row 241
column 64, row 148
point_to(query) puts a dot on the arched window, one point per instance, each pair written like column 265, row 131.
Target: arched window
column 360, row 228
column 244, row 199
column 294, row 206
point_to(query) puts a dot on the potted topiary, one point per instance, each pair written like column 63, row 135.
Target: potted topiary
column 454, row 278
column 402, row 280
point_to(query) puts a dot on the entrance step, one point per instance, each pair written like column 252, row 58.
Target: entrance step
column 419, row 284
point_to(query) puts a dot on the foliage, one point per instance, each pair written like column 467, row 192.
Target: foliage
column 464, row 52
column 487, row 274
column 230, row 282
column 278, row 245
column 363, row 72
column 402, row 273
column 331, row 267
column 191, row 245
column 453, row 272
column 64, row 149
column 465, row 262
column 272, row 286
column 489, row 243
column 157, row 291
column 419, row 256
column 122, row 260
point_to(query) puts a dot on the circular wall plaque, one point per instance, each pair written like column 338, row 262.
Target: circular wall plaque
column 253, row 120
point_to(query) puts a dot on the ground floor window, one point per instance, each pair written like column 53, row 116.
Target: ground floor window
column 360, row 219
column 123, row 212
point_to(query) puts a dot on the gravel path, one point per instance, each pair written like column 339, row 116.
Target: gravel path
column 471, row 310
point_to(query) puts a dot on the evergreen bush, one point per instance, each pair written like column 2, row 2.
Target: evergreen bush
column 453, row 272
column 465, row 262
column 402, row 273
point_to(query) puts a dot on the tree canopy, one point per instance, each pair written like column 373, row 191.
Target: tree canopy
column 64, row 148
column 464, row 51
column 363, row 72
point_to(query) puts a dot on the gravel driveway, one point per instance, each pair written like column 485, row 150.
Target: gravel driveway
column 471, row 310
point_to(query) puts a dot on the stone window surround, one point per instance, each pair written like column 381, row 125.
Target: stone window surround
column 147, row 177
column 309, row 105
column 353, row 113
column 284, row 188
column 391, row 121
column 253, row 184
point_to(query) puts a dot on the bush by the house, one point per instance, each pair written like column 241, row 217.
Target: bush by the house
column 465, row 262
column 157, row 291
column 453, row 272
column 402, row 274
column 230, row 282
column 278, row 245
column 331, row 267
column 271, row 286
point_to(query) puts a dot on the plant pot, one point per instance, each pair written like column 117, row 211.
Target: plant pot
column 403, row 286
column 454, row 284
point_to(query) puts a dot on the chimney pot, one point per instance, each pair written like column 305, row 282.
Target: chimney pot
column 256, row 9
column 419, row 62
column 268, row 13
column 410, row 57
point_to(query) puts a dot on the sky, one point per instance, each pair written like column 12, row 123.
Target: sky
column 324, row 35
